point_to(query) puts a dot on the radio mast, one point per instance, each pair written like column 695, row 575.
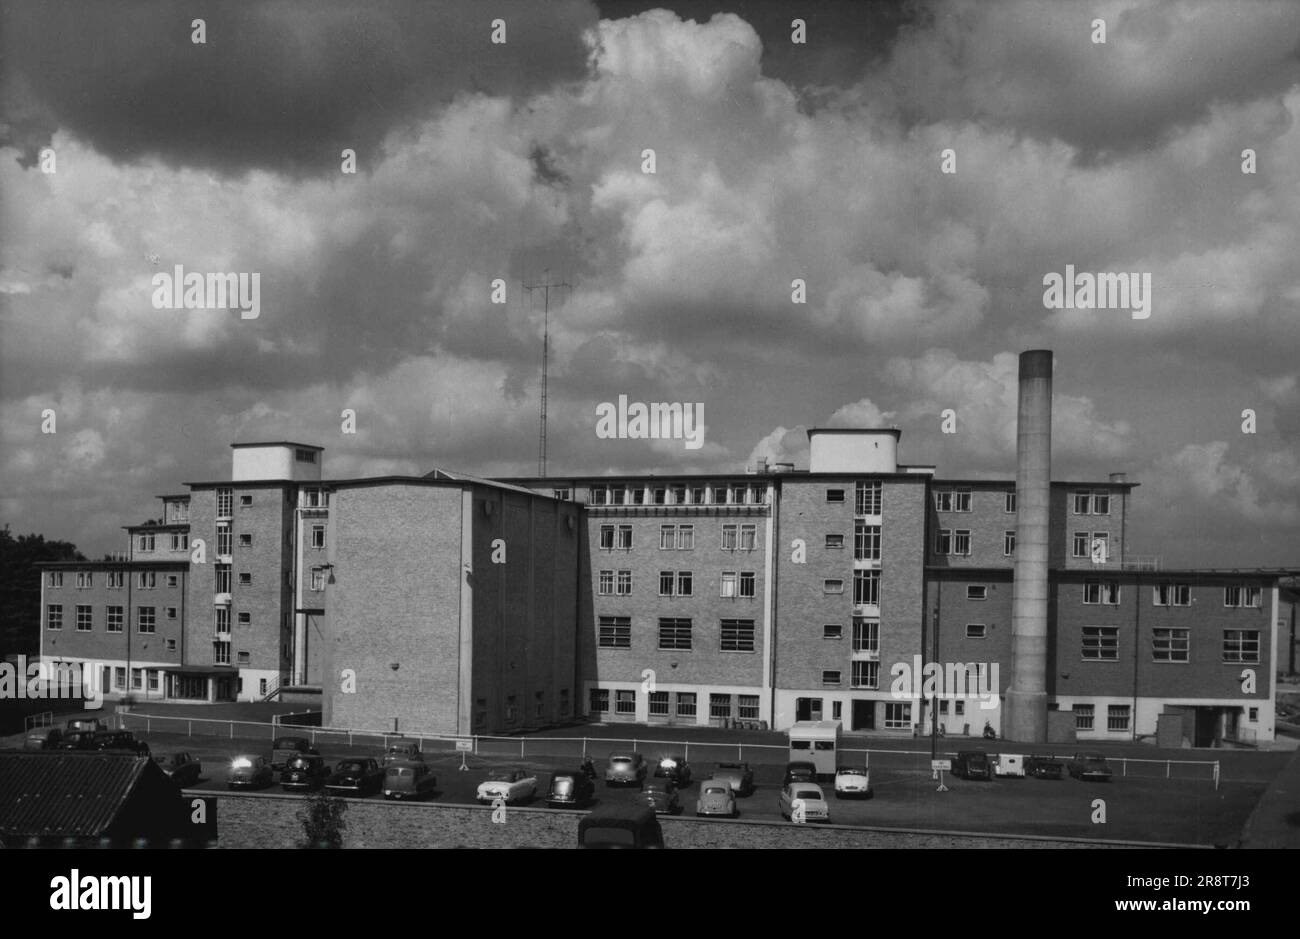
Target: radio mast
column 545, row 286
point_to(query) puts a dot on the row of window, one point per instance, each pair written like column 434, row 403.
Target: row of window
column 1117, row 716
column 866, row 587
column 866, row 498
column 680, row 537
column 1108, row 591
column 674, row 494
column 145, row 580
column 114, row 617
column 311, row 498
column 512, row 708
column 661, row 704
column 1171, row 644
column 678, row 583
column 148, row 543
column 866, row 542
column 734, row 635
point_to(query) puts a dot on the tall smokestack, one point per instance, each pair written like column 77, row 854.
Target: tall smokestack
column 1026, row 700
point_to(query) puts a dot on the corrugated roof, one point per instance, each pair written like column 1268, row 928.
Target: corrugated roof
column 65, row 795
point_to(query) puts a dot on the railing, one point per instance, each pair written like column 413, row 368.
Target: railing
column 272, row 689
column 1141, row 563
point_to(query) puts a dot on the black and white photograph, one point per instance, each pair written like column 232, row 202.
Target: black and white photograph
column 477, row 425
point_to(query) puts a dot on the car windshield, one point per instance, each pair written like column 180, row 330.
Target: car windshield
column 399, row 771
column 716, row 791
column 562, row 785
column 299, row 762
column 501, row 775
column 845, row 771
column 807, row 794
column 620, row 760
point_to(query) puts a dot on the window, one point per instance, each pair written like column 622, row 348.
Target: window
column 1100, row 502
column 599, row 701
column 173, row 580
column 607, row 537
column 222, row 572
column 678, row 583
column 737, row 635
column 597, row 496
column 178, row 541
column 181, row 511
column 961, row 542
column 223, row 540
column 638, row 495
column 961, row 500
column 675, row 634
column 625, row 537
column 976, row 631
column 866, row 542
column 748, row 537
column 539, row 704
column 747, row 584
column 678, row 492
column 667, row 537
column 246, row 578
column 312, row 499
column 1008, row 543
column 84, row 618
column 719, row 705
column 667, row 581
column 225, row 502
column 245, row 541
column 830, row 676
column 658, row 704
column 1083, row 716
column 1101, row 643
column 832, row 585
column 624, row 584
column 147, row 542
column 116, row 618
column 318, row 578
column 221, row 620
column 153, row 678
column 833, row 631
column 56, row 579
column 615, row 632
column 1171, row 595
column 834, row 495
column 943, row 500
column 148, row 580
column 727, row 583
column 686, row 704
column 698, row 495
column 943, row 541
column 1169, row 644
column 146, row 618
column 1241, row 596
column 834, row 541
column 1090, row 502
column 659, row 495
column 564, row 495
column 605, row 586
column 864, row 674
column 960, row 708
column 625, row 702
column 866, row 588
column 318, row 537
column 747, row 705
column 866, row 635
column 1079, row 544
column 137, row 679
column 1009, row 502
column 729, row 537
column 304, row 456
column 685, row 537
column 1252, row 714
column 1117, row 717
column 616, row 494
column 1101, row 591
column 116, row 580
column 245, row 619
column 1241, row 645
column 85, row 580
column 977, row 592
column 119, row 677
column 898, row 715
column 171, row 612
column 867, row 499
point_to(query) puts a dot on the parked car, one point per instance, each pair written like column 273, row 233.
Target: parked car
column 1090, row 766
column 799, row 771
column 119, row 740
column 77, row 740
column 356, row 776
column 625, row 768
column 513, row 785
column 1043, row 767
column 410, row 780
column 406, row 752
column 621, row 826
column 569, row 788
column 852, row 782
column 1009, row 764
column 79, row 724
column 675, row 768
column 180, row 767
column 972, row 764
column 284, row 747
column 304, row 772
column 46, row 738
column 740, row 776
column 716, row 798
column 812, row 798
column 661, row 795
column 249, row 772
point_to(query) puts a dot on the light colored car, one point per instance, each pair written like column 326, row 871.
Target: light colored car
column 513, row 785
column 852, row 782
column 248, row 771
column 716, row 798
column 807, row 795
column 409, row 780
column 401, row 753
column 626, row 768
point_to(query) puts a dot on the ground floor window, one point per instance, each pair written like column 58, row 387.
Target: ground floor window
column 719, row 705
column 1084, row 715
column 898, row 715
column 137, row 679
column 686, row 704
column 119, row 677
column 748, row 705
column 600, row 700
column 625, row 702
column 1117, row 716
column 658, row 704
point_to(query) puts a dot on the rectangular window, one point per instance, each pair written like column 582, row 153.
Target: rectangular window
column 1101, row 591
column 832, row 585
column 145, row 619
column 675, row 634
column 178, row 541
column 748, row 537
column 898, row 716
column 564, row 495
column 1171, row 595
column 943, row 500
column 1100, row 502
column 625, row 537
column 616, row 495
column 615, row 632
column 961, row 500
column 667, row 582
column 221, row 620
column 116, row 580
column 318, row 537
column 225, row 503
column 747, row 705
column 686, row 704
column 223, row 540
column 834, row 495
column 1079, row 544
column 1008, row 543
column 245, row 619
column 660, row 495
column 116, row 618
column 866, row 635
column 147, row 542
column 1170, row 644
column 1242, row 596
column 119, row 677
column 56, row 579
column 304, row 456
column 834, row 541
column 976, row 630
column 833, row 631
column 245, row 501
column 171, row 612
column 864, row 674
column 737, row 635
column 1117, row 717
column 222, row 572
column 85, row 580
column 977, row 592
column 729, row 537
column 137, row 679
column 245, row 541
column 685, row 583
column 84, row 618
column 866, row 542
column 678, row 493
column 747, row 584
column 685, row 537
column 698, row 495
column 153, row 678
column 867, row 499
column 607, row 537
column 1241, row 645
column 727, row 584
column 667, row 537
column 624, row 702
column 830, row 676
column 606, row 584
column 658, row 704
column 246, row 578
column 624, row 583
column 597, row 495
column 600, row 700
column 1081, row 503
column 1101, row 643
column 866, row 588
column 961, row 542
column 1009, row 503
column 719, row 705
column 148, row 580
column 318, row 578
column 638, row 495
column 1084, row 714
column 943, row 541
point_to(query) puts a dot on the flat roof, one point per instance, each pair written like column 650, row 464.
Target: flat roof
column 114, row 565
column 276, row 443
column 897, row 432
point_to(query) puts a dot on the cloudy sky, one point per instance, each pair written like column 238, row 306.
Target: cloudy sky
column 774, row 160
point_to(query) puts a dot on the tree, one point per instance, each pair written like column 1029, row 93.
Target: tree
column 20, row 587
column 322, row 820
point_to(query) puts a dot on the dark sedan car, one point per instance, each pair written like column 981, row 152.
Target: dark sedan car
column 661, row 795
column 77, row 740
column 249, row 772
column 284, row 747
column 1090, row 766
column 180, row 767
column 740, row 776
column 972, row 764
column 1043, row 767
column 799, row 771
column 355, row 777
column 304, row 772
column 569, row 789
column 46, row 738
column 119, row 740
column 675, row 768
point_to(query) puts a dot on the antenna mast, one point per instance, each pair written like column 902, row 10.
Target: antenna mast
column 545, row 286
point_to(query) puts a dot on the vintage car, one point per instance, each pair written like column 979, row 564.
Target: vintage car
column 284, row 747
column 512, row 785
column 355, row 776
column 625, row 769
column 661, row 795
column 403, row 752
column 249, row 772
column 807, row 796
column 1090, row 766
column 411, row 780
column 180, row 767
column 1009, row 764
column 569, row 788
column 852, row 782
column 620, row 826
column 675, row 768
column 119, row 740
column 1043, row 767
column 303, row 772
column 972, row 764
column 78, row 724
column 740, row 776
column 799, row 771
column 45, row 738
column 716, row 798
column 77, row 740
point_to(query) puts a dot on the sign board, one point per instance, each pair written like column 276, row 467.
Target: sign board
column 464, row 746
column 945, row 765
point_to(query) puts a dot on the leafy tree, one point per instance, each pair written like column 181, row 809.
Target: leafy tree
column 322, row 820
column 20, row 587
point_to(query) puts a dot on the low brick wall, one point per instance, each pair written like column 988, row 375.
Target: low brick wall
column 270, row 821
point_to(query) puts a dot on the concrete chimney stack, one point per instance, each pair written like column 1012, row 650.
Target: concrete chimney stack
column 1026, row 699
